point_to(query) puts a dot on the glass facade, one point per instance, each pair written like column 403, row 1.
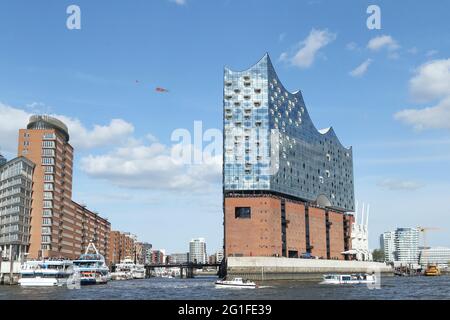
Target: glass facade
column 270, row 142
column 15, row 202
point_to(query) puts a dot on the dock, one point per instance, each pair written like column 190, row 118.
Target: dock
column 281, row 268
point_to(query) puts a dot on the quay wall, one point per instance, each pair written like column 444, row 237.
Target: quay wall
column 5, row 272
column 280, row 268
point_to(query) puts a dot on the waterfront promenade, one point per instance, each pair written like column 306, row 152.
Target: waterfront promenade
column 435, row 288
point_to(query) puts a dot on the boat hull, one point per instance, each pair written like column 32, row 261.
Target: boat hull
column 42, row 282
column 236, row 286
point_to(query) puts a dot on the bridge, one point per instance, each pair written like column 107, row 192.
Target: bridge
column 186, row 269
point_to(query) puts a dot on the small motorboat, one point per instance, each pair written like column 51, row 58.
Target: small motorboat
column 236, row 283
column 349, row 279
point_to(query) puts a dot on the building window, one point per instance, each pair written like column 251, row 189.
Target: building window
column 47, row 204
column 242, row 213
column 48, row 169
column 48, row 186
column 48, row 161
column 48, row 195
column 49, row 136
column 48, row 144
column 47, row 213
column 48, row 152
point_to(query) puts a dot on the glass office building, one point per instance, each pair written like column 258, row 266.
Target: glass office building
column 271, row 144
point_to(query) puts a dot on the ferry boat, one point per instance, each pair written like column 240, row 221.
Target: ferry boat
column 349, row 279
column 432, row 271
column 235, row 283
column 91, row 267
column 47, row 273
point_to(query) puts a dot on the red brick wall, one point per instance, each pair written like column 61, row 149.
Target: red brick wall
column 336, row 235
column 317, row 232
column 258, row 236
column 295, row 230
column 261, row 234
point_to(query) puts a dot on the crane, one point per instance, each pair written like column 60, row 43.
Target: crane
column 424, row 231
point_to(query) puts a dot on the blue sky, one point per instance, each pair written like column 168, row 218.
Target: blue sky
column 386, row 92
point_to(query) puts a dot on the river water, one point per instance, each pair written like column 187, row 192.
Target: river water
column 203, row 288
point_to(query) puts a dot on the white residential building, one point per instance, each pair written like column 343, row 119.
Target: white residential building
column 438, row 255
column 401, row 246
column 388, row 245
column 219, row 256
column 197, row 251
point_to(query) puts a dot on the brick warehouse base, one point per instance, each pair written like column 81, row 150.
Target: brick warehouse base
column 272, row 225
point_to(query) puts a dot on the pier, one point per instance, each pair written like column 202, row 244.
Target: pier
column 186, row 269
column 280, row 268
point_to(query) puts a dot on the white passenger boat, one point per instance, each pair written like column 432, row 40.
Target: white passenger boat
column 124, row 270
column 91, row 267
column 349, row 279
column 127, row 270
column 139, row 272
column 235, row 283
column 47, row 273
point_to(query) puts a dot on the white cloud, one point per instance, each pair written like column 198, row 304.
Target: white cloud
column 153, row 166
column 398, row 184
column 179, row 2
column 436, row 117
column 361, row 69
column 12, row 119
column 431, row 53
column 304, row 57
column 381, row 42
column 431, row 81
column 116, row 131
column 413, row 50
column 352, row 46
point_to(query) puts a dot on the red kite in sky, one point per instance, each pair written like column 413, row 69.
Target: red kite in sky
column 162, row 90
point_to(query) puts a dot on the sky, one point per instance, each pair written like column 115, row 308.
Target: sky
column 386, row 92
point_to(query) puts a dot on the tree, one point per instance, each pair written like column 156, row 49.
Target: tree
column 378, row 255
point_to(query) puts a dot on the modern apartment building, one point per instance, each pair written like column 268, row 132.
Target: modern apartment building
column 407, row 245
column 158, row 257
column 91, row 227
column 16, row 181
column 122, row 245
column 59, row 227
column 146, row 252
column 2, row 160
column 387, row 243
column 287, row 186
column 197, row 251
column 436, row 255
column 401, row 246
column 179, row 258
